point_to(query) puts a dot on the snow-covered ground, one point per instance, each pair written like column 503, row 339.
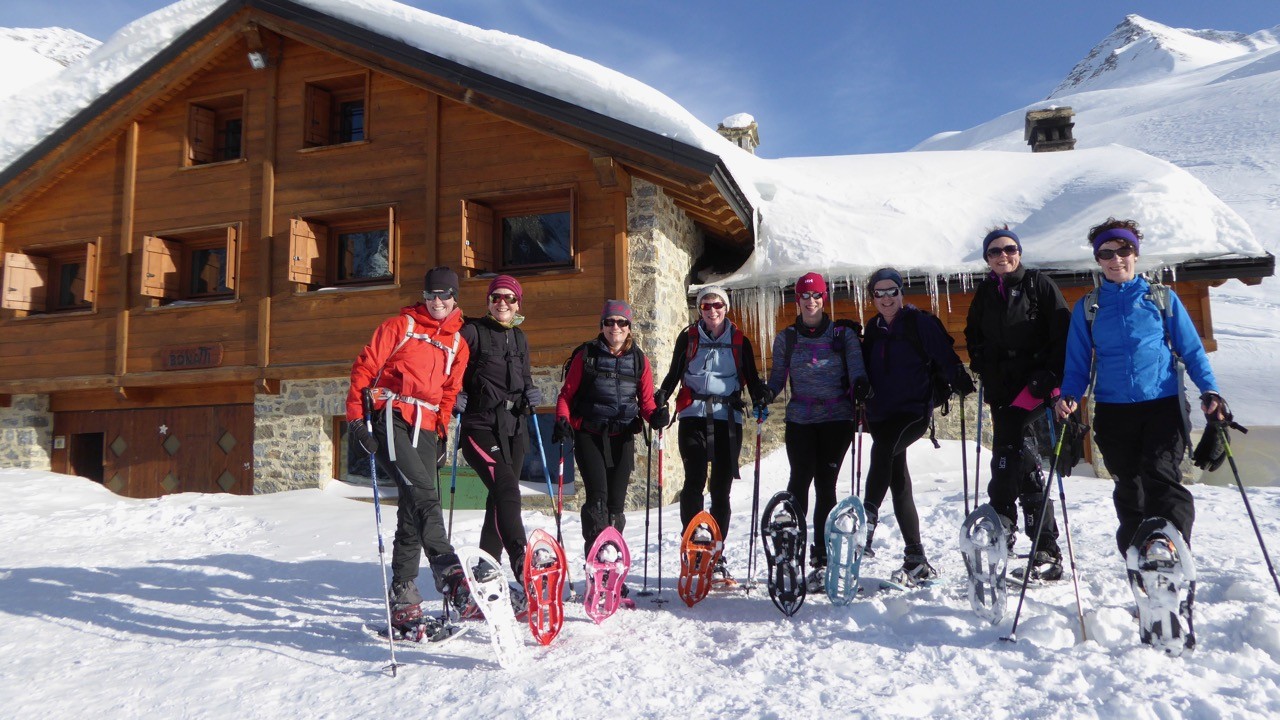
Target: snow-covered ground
column 250, row 607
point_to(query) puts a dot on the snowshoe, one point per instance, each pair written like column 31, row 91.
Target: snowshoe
column 984, row 545
column 699, row 554
column 847, row 543
column 915, row 572
column 607, row 564
column 782, row 533
column 1046, row 568
column 490, row 592
column 721, row 578
column 544, row 575
column 1162, row 575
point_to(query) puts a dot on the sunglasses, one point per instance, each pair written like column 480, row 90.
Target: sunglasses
column 887, row 292
column 713, row 306
column 437, row 294
column 619, row 322
column 496, row 298
column 1108, row 253
column 996, row 252
column 810, row 296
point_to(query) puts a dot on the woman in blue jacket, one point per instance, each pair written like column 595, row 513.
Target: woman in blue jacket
column 900, row 344
column 1138, row 416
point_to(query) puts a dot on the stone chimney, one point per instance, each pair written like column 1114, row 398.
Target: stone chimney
column 741, row 130
column 1049, row 130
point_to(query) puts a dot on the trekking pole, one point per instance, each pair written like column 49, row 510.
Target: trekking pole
column 755, row 507
column 377, row 518
column 453, row 481
column 964, row 459
column 1226, row 443
column 1066, row 528
column 648, row 505
column 977, row 453
column 546, row 472
column 1035, row 545
column 659, row 599
column 862, row 426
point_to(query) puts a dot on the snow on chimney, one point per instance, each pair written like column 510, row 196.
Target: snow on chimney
column 741, row 130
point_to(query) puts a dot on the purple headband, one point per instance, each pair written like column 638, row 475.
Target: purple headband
column 1124, row 234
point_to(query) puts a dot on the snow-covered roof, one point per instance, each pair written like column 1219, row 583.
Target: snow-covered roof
column 922, row 212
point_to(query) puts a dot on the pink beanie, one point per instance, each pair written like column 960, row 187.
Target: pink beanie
column 508, row 283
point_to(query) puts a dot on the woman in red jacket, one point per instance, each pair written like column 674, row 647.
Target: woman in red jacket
column 607, row 391
column 414, row 366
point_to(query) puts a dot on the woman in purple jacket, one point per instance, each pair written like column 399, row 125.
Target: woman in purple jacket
column 901, row 344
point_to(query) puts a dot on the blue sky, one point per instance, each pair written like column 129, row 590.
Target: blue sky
column 821, row 77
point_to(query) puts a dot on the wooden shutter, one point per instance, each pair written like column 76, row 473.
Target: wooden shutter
column 202, row 139
column 308, row 250
column 26, row 282
column 391, row 241
column 319, row 116
column 233, row 259
column 160, row 267
column 477, row 236
column 91, row 272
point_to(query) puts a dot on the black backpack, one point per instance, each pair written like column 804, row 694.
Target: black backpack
column 939, row 383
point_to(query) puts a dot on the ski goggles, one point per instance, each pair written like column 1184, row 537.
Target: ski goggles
column 887, row 292
column 1108, row 253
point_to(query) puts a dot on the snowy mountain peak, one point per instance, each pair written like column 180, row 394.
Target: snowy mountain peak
column 61, row 45
column 1139, row 51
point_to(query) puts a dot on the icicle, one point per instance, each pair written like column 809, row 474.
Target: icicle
column 947, row 279
column 758, row 308
column 931, row 284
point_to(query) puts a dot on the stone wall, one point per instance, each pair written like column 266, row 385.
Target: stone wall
column 293, row 434
column 26, row 433
column 664, row 244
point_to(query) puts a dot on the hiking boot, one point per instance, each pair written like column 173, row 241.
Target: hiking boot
column 915, row 570
column 1046, row 567
column 873, row 518
column 720, row 573
column 608, row 553
column 1159, row 552
column 457, row 595
column 404, row 592
column 815, row 583
column 702, row 535
column 625, row 594
column 519, row 601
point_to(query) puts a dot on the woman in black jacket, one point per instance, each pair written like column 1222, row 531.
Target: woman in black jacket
column 1016, row 335
column 499, row 396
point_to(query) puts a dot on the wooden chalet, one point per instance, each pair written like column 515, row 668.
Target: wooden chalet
column 192, row 262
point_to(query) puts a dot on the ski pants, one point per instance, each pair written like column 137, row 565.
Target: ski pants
column 1015, row 474
column 1142, row 446
column 419, row 519
column 816, row 451
column 726, row 445
column 503, row 526
column 888, row 471
column 605, row 485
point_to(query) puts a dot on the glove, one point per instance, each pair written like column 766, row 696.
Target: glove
column 660, row 397
column 1222, row 413
column 442, row 450
column 520, row 406
column 533, row 396
column 861, row 390
column 562, row 431
column 660, row 418
column 1211, row 451
column 761, row 411
column 963, row 384
column 1072, row 452
column 460, row 404
column 357, row 430
column 1042, row 384
column 764, row 395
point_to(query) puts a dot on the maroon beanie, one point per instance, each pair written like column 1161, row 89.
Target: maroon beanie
column 812, row 282
column 616, row 308
column 508, row 283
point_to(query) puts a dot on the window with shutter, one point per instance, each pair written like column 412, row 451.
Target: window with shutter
column 344, row 247
column 51, row 280
column 215, row 128
column 191, row 265
column 526, row 231
column 336, row 110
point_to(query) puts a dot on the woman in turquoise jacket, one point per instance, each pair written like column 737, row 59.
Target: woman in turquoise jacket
column 1134, row 332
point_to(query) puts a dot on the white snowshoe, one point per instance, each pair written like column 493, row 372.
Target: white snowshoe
column 1162, row 575
column 984, row 544
column 490, row 591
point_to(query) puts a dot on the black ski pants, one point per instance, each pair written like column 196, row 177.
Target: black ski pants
column 726, row 446
column 1016, row 473
column 1142, row 446
column 503, row 525
column 888, row 472
column 816, row 451
column 605, row 485
column 419, row 519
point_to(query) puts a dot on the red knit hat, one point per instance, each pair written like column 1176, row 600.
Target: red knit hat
column 811, row 282
column 508, row 283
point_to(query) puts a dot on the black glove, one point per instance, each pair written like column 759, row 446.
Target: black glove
column 764, row 395
column 1073, row 435
column 1222, row 410
column 520, row 406
column 533, row 396
column 460, row 404
column 1042, row 384
column 660, row 418
column 962, row 384
column 861, row 390
column 357, row 430
column 1211, row 451
column 562, row 431
column 660, row 397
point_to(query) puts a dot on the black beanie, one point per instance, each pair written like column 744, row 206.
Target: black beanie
column 441, row 278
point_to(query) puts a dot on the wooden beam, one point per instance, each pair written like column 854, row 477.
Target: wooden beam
column 268, row 386
column 161, row 378
column 308, row 371
column 6, row 400
column 47, row 385
column 431, row 208
column 266, row 231
column 622, row 247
